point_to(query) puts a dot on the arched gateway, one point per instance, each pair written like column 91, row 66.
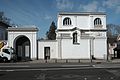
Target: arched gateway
column 23, row 40
column 22, row 47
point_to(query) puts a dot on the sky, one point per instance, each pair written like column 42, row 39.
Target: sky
column 42, row 12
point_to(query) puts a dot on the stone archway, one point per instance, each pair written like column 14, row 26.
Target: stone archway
column 22, row 47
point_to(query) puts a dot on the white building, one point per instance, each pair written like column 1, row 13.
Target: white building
column 79, row 36
column 82, row 35
column 24, row 41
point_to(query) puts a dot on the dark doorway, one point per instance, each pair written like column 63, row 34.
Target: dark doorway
column 23, row 48
column 117, row 50
column 116, row 53
column 46, row 53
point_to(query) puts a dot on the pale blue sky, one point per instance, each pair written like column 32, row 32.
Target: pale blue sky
column 42, row 12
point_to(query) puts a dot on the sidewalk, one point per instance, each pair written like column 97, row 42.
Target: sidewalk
column 84, row 64
column 83, row 61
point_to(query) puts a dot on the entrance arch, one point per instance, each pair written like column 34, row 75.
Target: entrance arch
column 22, row 47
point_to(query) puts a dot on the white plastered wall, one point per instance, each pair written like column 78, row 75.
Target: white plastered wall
column 53, row 44
column 75, row 51
column 100, row 48
column 12, row 35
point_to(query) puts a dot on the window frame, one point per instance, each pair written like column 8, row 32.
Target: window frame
column 67, row 21
column 97, row 21
column 75, row 38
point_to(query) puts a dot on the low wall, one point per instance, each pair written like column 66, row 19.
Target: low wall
column 70, row 61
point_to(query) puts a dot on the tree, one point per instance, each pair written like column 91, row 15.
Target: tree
column 113, row 30
column 4, row 19
column 51, row 35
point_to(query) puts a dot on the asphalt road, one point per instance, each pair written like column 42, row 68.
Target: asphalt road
column 68, row 74
column 63, row 72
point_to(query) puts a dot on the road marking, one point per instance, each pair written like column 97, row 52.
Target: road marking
column 75, row 65
column 40, row 76
column 47, row 69
column 85, row 78
column 9, row 70
column 99, row 78
column 12, row 66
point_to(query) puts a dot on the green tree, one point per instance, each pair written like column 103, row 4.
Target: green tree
column 113, row 30
column 4, row 19
column 51, row 35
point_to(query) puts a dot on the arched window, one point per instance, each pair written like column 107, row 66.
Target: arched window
column 67, row 21
column 97, row 21
column 74, row 38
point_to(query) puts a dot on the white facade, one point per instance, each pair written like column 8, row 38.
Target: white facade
column 20, row 36
column 81, row 20
column 90, row 30
column 52, row 44
column 79, row 36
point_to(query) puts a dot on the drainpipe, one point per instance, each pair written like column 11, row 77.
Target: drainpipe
column 60, row 46
column 91, row 48
column 90, row 51
column 37, row 50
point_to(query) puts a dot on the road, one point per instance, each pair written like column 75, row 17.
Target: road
column 58, row 72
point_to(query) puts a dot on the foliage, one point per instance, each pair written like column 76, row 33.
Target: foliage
column 51, row 35
column 4, row 19
column 113, row 30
